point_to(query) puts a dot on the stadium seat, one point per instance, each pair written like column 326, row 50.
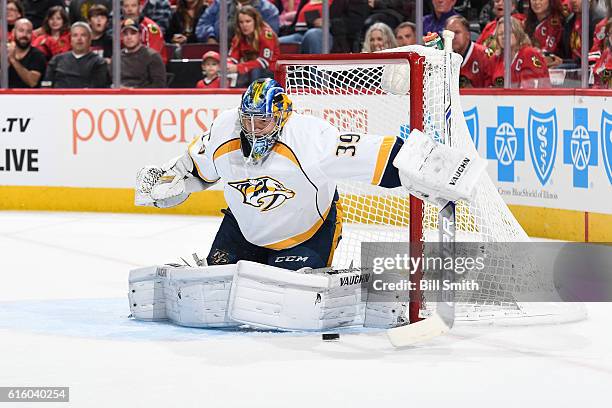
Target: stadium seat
column 292, row 48
column 196, row 50
column 172, row 51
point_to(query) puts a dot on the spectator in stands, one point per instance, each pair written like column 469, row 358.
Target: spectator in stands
column 14, row 11
column 487, row 36
column 544, row 26
column 405, row 34
column 78, row 68
column 210, row 71
column 602, row 69
column 442, row 10
column 79, row 9
column 486, row 14
column 307, row 28
column 141, row 67
column 36, row 10
column 207, row 29
column 287, row 10
column 571, row 43
column 347, row 19
column 101, row 41
column 378, row 37
column 53, row 37
column 158, row 11
column 600, row 35
column 476, row 67
column 528, row 69
column 27, row 64
column 390, row 12
column 151, row 34
column 184, row 20
column 254, row 48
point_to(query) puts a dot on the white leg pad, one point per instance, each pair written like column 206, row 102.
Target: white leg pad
column 195, row 297
column 273, row 298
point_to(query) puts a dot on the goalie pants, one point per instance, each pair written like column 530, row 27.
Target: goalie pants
column 230, row 246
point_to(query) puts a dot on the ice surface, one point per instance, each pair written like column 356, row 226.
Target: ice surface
column 63, row 322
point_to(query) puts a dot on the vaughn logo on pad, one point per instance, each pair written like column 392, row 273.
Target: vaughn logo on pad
column 453, row 181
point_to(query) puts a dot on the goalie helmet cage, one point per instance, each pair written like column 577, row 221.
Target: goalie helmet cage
column 390, row 94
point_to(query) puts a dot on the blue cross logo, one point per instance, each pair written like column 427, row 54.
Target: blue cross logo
column 580, row 147
column 505, row 143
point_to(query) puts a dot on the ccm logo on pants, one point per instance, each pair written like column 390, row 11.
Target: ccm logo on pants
column 291, row 258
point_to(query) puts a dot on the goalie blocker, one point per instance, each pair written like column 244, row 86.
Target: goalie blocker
column 437, row 173
column 260, row 296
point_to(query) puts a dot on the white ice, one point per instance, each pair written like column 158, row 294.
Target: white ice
column 64, row 322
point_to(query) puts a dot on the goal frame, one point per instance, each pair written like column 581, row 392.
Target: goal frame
column 417, row 72
column 486, row 218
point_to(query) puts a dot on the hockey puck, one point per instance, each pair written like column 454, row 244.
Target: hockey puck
column 330, row 336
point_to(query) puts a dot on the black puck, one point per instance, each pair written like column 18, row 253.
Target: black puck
column 330, row 336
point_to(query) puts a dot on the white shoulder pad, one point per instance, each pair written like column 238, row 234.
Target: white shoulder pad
column 436, row 172
column 195, row 297
column 275, row 298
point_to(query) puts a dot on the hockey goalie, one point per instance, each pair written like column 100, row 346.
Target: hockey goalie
column 266, row 266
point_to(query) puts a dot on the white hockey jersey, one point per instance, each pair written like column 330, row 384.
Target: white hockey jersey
column 282, row 201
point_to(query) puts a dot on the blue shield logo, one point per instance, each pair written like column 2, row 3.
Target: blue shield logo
column 542, row 128
column 606, row 142
column 471, row 118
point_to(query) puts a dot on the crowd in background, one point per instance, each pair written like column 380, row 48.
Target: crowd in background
column 68, row 43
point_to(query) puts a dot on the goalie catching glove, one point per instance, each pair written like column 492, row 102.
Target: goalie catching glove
column 170, row 184
column 437, row 173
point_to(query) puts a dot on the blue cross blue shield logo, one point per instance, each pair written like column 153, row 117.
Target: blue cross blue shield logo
column 542, row 128
column 471, row 118
column 606, row 142
column 580, row 148
column 505, row 143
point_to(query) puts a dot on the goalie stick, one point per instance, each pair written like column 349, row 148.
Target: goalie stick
column 443, row 319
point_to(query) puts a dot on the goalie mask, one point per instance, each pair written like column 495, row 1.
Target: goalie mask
column 264, row 110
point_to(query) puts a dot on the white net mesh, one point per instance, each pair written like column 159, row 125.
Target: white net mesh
column 354, row 96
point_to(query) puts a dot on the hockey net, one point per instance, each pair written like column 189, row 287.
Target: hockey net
column 352, row 92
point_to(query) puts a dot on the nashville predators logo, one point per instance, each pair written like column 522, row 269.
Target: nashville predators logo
column 264, row 192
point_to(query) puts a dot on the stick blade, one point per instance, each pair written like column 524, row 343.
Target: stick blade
column 423, row 330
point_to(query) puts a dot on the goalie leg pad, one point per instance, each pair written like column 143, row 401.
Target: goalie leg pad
column 194, row 297
column 274, row 298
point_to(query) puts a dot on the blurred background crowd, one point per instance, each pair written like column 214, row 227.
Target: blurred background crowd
column 175, row 43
